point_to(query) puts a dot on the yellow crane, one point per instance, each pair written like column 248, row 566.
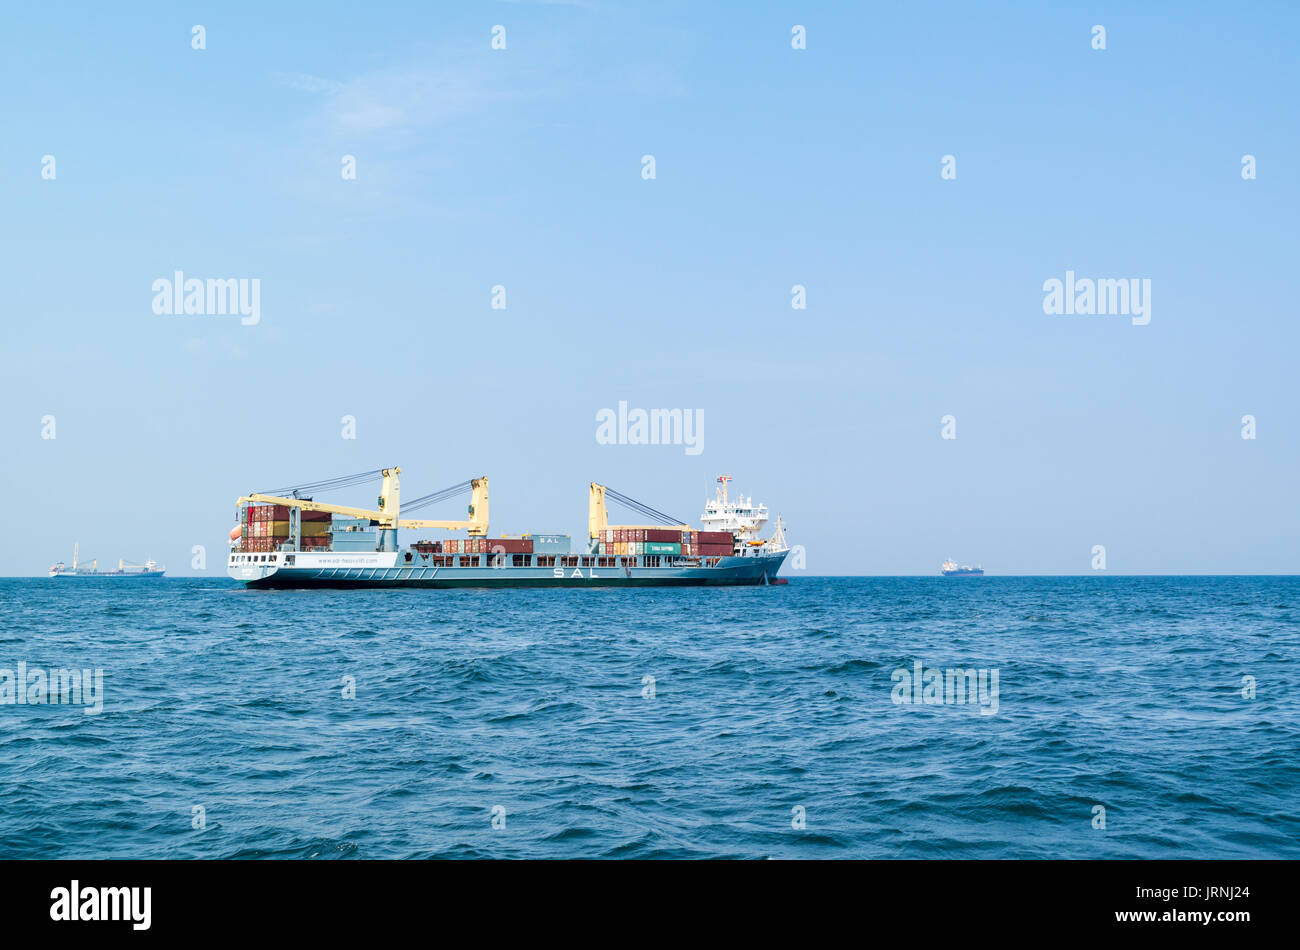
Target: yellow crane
column 389, row 502
column 598, row 516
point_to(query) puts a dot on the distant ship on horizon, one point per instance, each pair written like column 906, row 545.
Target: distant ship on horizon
column 949, row 568
column 149, row 568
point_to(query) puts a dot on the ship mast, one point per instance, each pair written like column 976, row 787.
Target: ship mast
column 778, row 537
column 724, row 479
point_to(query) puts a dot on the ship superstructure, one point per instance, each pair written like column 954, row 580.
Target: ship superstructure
column 287, row 540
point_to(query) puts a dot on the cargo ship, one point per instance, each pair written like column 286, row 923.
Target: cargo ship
column 149, row 568
column 287, row 539
column 950, row 569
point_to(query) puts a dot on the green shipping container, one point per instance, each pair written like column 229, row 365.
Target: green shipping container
column 662, row 547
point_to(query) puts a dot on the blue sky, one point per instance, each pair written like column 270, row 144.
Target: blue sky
column 774, row 167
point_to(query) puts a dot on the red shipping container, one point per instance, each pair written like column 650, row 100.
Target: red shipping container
column 510, row 545
column 663, row 535
column 715, row 550
column 716, row 537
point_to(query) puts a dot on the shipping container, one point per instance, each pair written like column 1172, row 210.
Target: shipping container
column 552, row 544
column 509, row 545
column 663, row 547
column 716, row 537
column 715, row 550
column 663, row 535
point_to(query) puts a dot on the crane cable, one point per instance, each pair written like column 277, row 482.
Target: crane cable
column 642, row 509
column 433, row 498
column 329, row 484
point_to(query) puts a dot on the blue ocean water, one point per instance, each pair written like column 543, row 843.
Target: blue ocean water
column 770, row 708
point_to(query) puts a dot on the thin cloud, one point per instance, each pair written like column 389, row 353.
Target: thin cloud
column 307, row 83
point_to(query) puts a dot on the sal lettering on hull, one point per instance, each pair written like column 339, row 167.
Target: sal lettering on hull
column 577, row 572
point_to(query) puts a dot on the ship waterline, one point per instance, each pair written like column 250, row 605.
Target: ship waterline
column 307, row 570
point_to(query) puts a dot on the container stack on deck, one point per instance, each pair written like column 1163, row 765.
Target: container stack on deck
column 715, row 543
column 524, row 545
column 665, row 541
column 266, row 528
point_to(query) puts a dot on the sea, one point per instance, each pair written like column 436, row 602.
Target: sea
column 833, row 717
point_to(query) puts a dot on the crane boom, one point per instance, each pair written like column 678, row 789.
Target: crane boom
column 348, row 510
column 478, row 513
column 387, row 514
column 598, row 515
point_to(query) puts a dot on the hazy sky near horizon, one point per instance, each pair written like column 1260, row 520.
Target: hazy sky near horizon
column 774, row 167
